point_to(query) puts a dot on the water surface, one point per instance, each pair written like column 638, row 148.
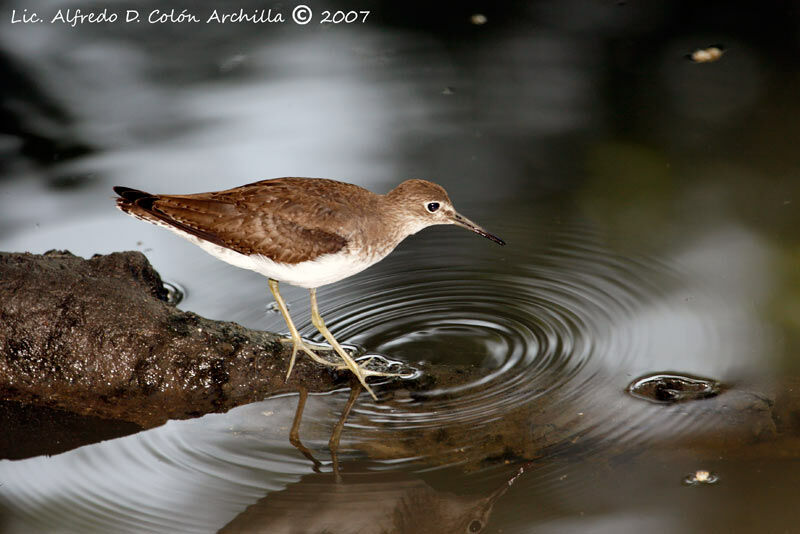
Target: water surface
column 648, row 203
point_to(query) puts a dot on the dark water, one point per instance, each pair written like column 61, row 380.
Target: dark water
column 649, row 205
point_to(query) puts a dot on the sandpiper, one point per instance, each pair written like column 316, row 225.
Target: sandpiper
column 306, row 232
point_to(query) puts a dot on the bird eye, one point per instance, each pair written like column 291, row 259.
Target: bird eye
column 475, row 526
column 432, row 206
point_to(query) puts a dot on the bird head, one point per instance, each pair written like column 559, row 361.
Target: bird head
column 426, row 204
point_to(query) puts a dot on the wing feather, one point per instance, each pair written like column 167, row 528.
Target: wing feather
column 268, row 218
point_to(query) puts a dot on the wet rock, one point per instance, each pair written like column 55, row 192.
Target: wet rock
column 669, row 388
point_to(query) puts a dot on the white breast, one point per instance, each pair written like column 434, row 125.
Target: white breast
column 323, row 270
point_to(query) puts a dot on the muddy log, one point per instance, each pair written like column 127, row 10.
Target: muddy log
column 98, row 338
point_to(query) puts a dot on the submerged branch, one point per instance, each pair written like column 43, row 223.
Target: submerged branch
column 97, row 337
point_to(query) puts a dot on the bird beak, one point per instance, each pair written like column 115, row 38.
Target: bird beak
column 462, row 221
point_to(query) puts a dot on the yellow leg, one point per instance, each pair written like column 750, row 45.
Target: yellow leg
column 316, row 319
column 297, row 341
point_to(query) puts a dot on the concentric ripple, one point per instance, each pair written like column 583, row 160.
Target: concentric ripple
column 565, row 319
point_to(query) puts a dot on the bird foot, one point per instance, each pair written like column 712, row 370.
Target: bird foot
column 299, row 344
column 377, row 365
column 303, row 344
column 368, row 365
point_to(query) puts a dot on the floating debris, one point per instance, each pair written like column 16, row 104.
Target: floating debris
column 478, row 19
column 701, row 476
column 663, row 388
column 447, row 91
column 706, row 55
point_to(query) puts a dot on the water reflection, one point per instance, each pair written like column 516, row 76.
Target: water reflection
column 550, row 338
column 195, row 476
column 364, row 501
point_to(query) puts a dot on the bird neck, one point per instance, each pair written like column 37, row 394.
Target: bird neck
column 399, row 217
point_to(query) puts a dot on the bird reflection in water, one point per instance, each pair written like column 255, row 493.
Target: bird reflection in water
column 355, row 499
column 366, row 502
column 333, row 443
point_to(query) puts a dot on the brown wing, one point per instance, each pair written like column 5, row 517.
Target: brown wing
column 284, row 219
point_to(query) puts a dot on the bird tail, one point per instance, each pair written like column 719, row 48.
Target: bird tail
column 133, row 201
column 136, row 203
